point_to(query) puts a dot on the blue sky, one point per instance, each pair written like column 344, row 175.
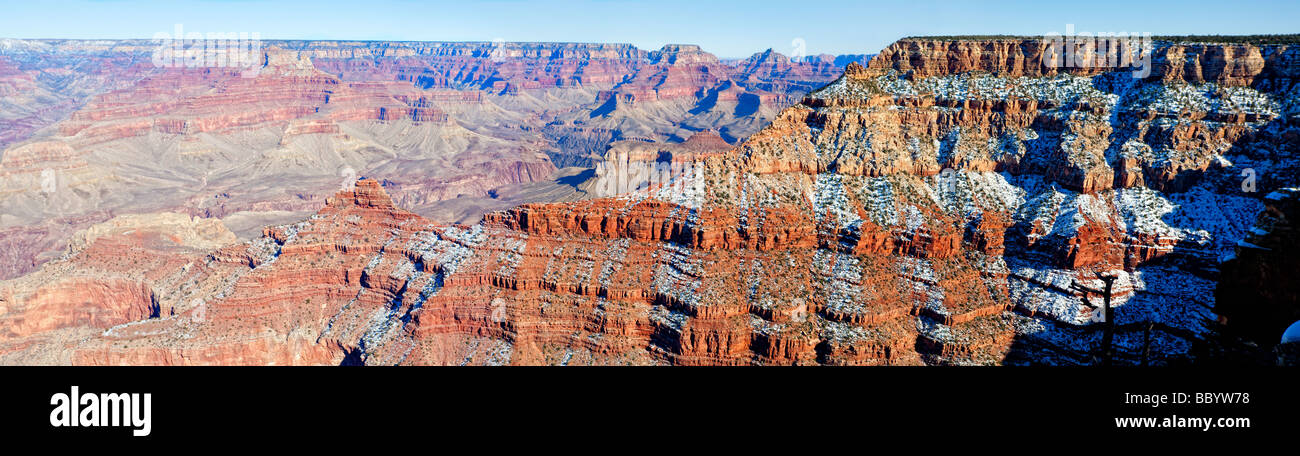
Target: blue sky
column 726, row 28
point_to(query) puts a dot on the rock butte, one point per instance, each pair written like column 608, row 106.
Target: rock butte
column 931, row 207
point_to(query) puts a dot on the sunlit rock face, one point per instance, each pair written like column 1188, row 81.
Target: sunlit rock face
column 931, row 207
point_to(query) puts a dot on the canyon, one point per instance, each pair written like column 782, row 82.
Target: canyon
column 931, row 206
column 94, row 129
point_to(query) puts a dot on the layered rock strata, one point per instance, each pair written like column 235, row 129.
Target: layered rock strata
column 91, row 129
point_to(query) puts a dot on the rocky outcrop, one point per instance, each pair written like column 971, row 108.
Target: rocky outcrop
column 109, row 277
column 1230, row 65
column 365, row 282
column 81, row 303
